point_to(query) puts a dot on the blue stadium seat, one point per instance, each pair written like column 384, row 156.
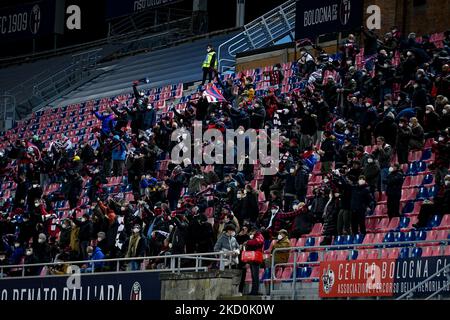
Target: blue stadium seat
column 310, row 242
column 421, row 166
column 399, row 237
column 434, row 222
column 313, row 256
column 404, row 253
column 412, row 169
column 404, row 222
column 422, row 193
column 416, row 253
column 339, row 240
column 389, row 237
column 358, row 239
column 421, row 235
column 426, row 155
column 410, row 236
column 427, row 179
column 408, row 208
column 354, row 255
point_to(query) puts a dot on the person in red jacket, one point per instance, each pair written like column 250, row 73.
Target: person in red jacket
column 256, row 243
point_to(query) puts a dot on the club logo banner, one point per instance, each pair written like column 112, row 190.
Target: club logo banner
column 383, row 277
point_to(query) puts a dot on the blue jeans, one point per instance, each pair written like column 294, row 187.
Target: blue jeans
column 134, row 265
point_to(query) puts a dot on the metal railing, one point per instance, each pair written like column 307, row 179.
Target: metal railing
column 172, row 263
column 261, row 32
column 321, row 250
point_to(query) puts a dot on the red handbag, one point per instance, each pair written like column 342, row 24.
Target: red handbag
column 252, row 256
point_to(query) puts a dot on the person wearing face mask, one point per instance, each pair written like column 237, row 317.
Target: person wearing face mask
column 94, row 254
column 403, row 135
column 327, row 152
column 417, row 139
column 209, row 65
column 361, row 199
column 282, row 241
column 228, row 244
column 330, row 217
column 30, row 258
column 256, row 243
column 85, row 233
column 383, row 153
column 394, row 183
column 64, row 236
column 372, row 173
column 17, row 253
column 42, row 249
column 445, row 119
column 134, row 247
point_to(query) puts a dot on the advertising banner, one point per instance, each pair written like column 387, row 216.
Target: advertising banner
column 111, row 286
column 357, row 278
column 314, row 18
column 411, row 272
column 116, row 8
column 383, row 277
column 28, row 20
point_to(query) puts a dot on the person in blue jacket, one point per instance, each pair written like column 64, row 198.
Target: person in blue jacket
column 108, row 122
column 119, row 155
column 94, row 255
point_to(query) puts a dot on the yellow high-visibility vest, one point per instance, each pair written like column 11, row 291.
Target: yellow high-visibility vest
column 208, row 58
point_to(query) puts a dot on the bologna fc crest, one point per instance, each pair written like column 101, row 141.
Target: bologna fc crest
column 35, row 19
column 136, row 291
column 327, row 280
column 345, row 11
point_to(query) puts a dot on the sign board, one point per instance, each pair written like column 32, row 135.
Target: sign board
column 382, row 277
column 98, row 286
column 314, row 18
column 27, row 21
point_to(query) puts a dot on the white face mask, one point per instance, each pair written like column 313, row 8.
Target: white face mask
column 29, row 253
column 447, row 182
column 336, row 195
column 179, row 205
column 428, row 111
column 280, row 237
column 391, row 169
column 441, row 138
column 361, row 182
column 36, row 204
column 83, row 219
column 41, row 240
column 251, row 236
column 99, row 239
column 367, row 104
column 239, row 196
column 444, row 111
column 325, row 180
column 400, row 125
column 135, row 230
column 295, row 207
column 16, row 245
column 273, row 211
column 233, row 234
column 346, row 131
column 370, row 160
column 291, row 170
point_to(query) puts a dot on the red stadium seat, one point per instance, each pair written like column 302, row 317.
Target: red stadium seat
column 445, row 223
column 316, row 230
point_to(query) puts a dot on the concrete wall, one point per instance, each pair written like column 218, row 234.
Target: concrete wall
column 210, row 285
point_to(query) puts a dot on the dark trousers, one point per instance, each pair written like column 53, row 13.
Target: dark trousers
column 393, row 206
column 402, row 155
column 118, row 166
column 358, row 221
column 254, row 268
column 206, row 72
column 287, row 203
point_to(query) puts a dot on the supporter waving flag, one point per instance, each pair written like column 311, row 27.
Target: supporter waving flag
column 213, row 94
